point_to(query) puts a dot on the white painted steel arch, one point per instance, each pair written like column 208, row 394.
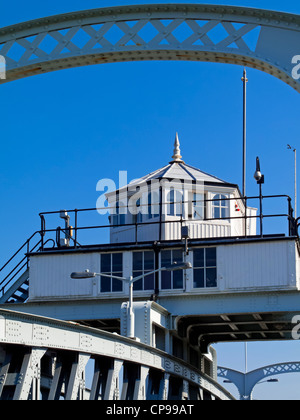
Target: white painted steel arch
column 246, row 382
column 265, row 40
column 26, row 339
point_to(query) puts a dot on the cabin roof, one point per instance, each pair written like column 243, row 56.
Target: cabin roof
column 177, row 169
column 180, row 171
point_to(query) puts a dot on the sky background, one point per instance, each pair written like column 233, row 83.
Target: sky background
column 62, row 132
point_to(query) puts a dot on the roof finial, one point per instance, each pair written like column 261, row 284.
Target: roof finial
column 177, row 154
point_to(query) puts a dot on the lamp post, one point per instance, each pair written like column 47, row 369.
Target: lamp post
column 130, row 281
column 295, row 153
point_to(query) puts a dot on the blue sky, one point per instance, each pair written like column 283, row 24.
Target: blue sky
column 62, row 132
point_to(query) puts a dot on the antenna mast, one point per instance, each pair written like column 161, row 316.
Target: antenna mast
column 245, row 81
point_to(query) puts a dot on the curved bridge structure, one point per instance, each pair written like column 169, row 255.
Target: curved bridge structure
column 265, row 40
column 246, row 382
column 46, row 358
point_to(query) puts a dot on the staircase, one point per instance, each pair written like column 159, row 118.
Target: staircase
column 14, row 275
column 19, row 291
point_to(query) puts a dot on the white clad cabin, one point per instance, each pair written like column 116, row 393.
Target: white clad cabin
column 175, row 214
column 157, row 206
column 147, row 231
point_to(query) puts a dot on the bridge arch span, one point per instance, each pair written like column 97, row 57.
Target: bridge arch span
column 265, row 40
column 245, row 383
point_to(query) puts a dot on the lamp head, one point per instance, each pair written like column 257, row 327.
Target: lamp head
column 258, row 176
column 87, row 274
column 179, row 266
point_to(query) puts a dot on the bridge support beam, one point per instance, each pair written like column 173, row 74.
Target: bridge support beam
column 164, row 387
column 112, row 389
column 29, row 376
column 124, row 368
column 246, row 383
column 76, row 383
column 140, row 389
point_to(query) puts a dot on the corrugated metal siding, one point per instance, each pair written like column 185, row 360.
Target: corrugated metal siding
column 246, row 266
column 198, row 230
column 259, row 265
column 297, row 266
column 146, row 232
column 50, row 275
column 122, row 234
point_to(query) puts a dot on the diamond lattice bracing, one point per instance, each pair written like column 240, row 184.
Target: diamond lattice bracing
column 142, row 33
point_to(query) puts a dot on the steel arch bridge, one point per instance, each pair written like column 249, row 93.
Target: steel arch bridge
column 245, row 383
column 265, row 40
column 43, row 357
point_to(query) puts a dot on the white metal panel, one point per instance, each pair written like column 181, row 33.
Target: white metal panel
column 122, row 234
column 297, row 257
column 258, row 265
column 50, row 275
column 148, row 232
column 198, row 230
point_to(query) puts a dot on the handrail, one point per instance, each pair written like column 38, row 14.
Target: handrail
column 117, row 208
column 165, row 203
column 17, row 252
column 23, row 262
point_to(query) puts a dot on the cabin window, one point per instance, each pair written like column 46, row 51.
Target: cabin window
column 205, row 268
column 197, row 206
column 111, row 264
column 220, row 206
column 171, row 279
column 118, row 219
column 143, row 263
column 174, row 203
column 137, row 216
column 153, row 205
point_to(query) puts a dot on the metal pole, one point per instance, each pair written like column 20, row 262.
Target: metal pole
column 261, row 209
column 246, row 370
column 131, row 332
column 295, row 151
column 245, row 81
column 295, row 181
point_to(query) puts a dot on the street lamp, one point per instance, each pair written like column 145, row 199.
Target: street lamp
column 130, row 281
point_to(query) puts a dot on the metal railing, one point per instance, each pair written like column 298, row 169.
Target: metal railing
column 73, row 237
column 19, row 261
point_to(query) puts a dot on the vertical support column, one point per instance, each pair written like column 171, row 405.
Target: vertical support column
column 94, row 395
column 164, row 387
column 4, row 371
column 140, row 390
column 112, row 389
column 185, row 391
column 30, row 372
column 76, row 380
column 57, row 380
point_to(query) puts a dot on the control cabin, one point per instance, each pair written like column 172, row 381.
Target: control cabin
column 175, row 214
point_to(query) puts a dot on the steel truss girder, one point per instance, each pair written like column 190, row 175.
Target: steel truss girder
column 203, row 330
column 27, row 338
column 265, row 40
column 246, row 382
